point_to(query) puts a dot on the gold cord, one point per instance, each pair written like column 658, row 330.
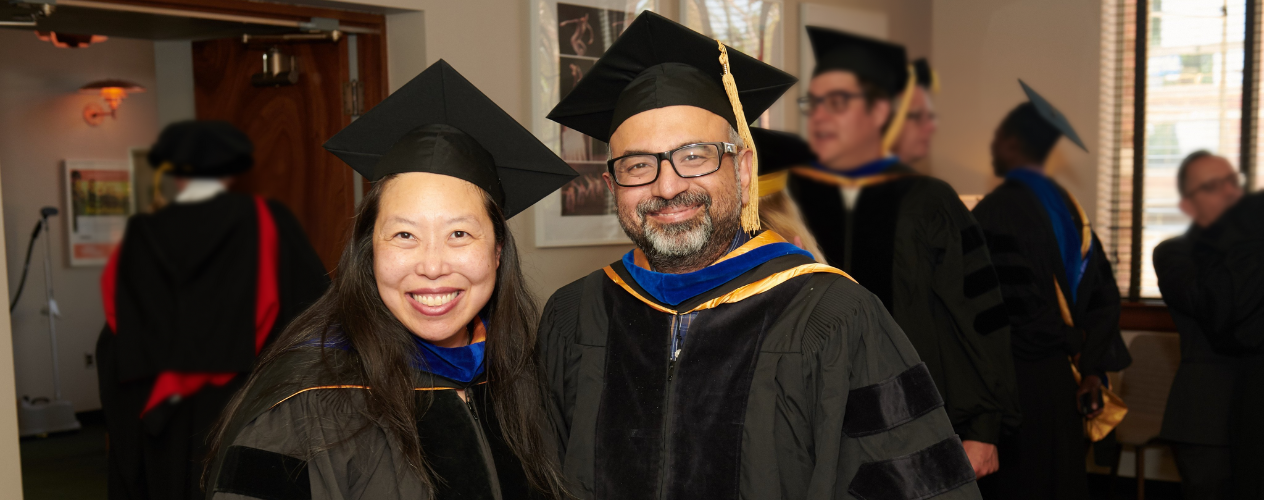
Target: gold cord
column 159, row 201
column 897, row 121
column 750, row 212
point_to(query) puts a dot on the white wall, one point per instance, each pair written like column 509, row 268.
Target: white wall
column 40, row 125
column 173, row 81
column 980, row 49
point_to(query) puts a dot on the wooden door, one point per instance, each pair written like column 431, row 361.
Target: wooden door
column 288, row 124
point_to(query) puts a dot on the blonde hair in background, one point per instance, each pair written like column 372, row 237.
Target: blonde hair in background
column 780, row 214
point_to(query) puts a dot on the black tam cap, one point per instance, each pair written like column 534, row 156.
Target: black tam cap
column 880, row 63
column 658, row 63
column 925, row 76
column 779, row 150
column 440, row 123
column 202, row 148
column 1052, row 116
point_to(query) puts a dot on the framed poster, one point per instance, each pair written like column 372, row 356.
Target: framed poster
column 100, row 197
column 751, row 26
column 567, row 37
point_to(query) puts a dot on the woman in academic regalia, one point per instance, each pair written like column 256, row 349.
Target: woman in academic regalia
column 415, row 375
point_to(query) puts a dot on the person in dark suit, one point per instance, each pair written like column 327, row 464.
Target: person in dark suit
column 1200, row 405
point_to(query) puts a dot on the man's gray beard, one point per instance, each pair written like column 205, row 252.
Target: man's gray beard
column 682, row 245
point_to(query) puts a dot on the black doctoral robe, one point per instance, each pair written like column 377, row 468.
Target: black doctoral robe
column 911, row 242
column 1045, row 459
column 1230, row 308
column 184, row 300
column 302, row 433
column 806, row 390
column 1201, row 400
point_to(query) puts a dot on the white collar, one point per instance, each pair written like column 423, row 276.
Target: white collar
column 199, row 190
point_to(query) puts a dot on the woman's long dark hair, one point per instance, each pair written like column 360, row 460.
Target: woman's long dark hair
column 384, row 348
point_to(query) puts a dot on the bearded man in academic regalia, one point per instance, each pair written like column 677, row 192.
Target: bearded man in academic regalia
column 192, row 294
column 717, row 360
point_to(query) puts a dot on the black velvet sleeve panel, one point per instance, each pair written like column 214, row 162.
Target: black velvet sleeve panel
column 973, row 362
column 893, row 402
column 934, row 470
column 264, row 475
column 849, row 344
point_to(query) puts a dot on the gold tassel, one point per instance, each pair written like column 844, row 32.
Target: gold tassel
column 159, row 201
column 750, row 212
column 897, row 121
column 934, row 81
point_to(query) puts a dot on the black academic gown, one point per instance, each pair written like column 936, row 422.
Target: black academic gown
column 184, row 300
column 911, row 242
column 302, row 433
column 808, row 390
column 1229, row 256
column 1045, row 459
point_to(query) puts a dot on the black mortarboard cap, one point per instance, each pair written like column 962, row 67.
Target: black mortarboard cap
column 1052, row 116
column 880, row 63
column 779, row 150
column 658, row 63
column 440, row 123
column 925, row 75
column 202, row 148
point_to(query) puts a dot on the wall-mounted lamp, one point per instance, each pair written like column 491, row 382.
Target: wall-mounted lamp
column 113, row 92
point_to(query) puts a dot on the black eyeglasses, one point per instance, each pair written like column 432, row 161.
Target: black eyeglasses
column 1235, row 179
column 836, row 102
column 690, row 160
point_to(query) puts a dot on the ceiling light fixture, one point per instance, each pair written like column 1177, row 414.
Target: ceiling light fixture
column 64, row 41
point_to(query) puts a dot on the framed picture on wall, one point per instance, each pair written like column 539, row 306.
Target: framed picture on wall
column 100, row 198
column 567, row 38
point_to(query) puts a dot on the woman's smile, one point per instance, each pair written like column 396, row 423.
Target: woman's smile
column 435, row 301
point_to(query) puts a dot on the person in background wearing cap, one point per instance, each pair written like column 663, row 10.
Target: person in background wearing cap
column 907, row 238
column 778, row 152
column 1200, row 405
column 920, row 122
column 414, row 376
column 1063, row 302
column 191, row 295
column 716, row 360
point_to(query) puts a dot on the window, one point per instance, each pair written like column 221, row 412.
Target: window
column 1179, row 90
column 751, row 26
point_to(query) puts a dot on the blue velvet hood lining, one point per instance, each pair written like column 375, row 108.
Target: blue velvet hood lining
column 673, row 289
column 872, row 168
column 1064, row 227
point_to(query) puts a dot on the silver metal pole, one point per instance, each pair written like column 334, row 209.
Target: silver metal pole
column 52, row 306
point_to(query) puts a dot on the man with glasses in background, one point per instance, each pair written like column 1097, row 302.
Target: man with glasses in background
column 920, row 121
column 1200, row 404
column 716, row 360
column 906, row 237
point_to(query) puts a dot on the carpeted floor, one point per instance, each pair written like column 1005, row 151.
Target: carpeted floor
column 66, row 466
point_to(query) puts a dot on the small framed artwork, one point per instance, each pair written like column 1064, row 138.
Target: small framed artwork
column 567, row 38
column 100, row 196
